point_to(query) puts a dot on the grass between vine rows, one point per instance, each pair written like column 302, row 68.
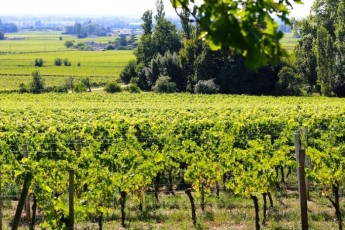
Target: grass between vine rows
column 226, row 212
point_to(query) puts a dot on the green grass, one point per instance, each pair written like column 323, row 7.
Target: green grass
column 238, row 213
column 16, row 67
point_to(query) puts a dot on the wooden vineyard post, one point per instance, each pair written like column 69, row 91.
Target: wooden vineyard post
column 71, row 200
column 307, row 162
column 78, row 153
column 22, row 199
column 27, row 200
column 302, row 188
column 0, row 199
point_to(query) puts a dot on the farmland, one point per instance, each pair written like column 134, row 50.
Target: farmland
column 289, row 42
column 127, row 145
column 18, row 56
column 136, row 148
column 17, row 59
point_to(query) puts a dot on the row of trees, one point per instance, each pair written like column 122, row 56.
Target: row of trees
column 37, row 86
column 86, row 29
column 7, row 28
column 320, row 54
column 122, row 42
column 183, row 62
column 39, row 62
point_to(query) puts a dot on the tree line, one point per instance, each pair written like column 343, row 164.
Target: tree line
column 169, row 60
column 319, row 55
column 7, row 28
column 172, row 60
column 82, row 30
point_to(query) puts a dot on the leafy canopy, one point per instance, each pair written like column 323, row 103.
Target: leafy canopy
column 246, row 25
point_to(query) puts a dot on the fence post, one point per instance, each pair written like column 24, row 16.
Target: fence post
column 300, row 157
column 307, row 162
column 71, row 199
column 20, row 206
column 27, row 200
column 0, row 199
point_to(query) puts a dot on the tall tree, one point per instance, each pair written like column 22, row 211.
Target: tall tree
column 90, row 28
column 152, row 72
column 165, row 37
column 160, row 10
column 37, row 83
column 188, row 55
column 320, row 51
column 146, row 50
column 2, row 35
column 187, row 27
column 339, row 87
column 325, row 61
column 306, row 61
column 79, row 30
column 147, row 22
column 170, row 66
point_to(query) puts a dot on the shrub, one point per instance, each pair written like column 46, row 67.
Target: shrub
column 87, row 83
column 112, row 87
column 110, row 47
column 96, row 84
column 133, row 88
column 56, row 89
column 69, row 44
column 164, row 85
column 79, row 88
column 39, row 62
column 206, row 87
column 58, row 61
column 69, row 83
column 66, row 62
column 129, row 72
column 23, row 88
column 2, row 35
column 60, row 89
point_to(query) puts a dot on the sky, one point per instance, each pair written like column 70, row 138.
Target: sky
column 101, row 7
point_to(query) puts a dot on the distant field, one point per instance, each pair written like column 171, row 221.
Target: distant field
column 16, row 67
column 42, row 41
column 289, row 41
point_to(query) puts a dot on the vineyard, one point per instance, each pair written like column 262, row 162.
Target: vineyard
column 149, row 161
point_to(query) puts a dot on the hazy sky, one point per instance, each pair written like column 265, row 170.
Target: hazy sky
column 100, row 7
